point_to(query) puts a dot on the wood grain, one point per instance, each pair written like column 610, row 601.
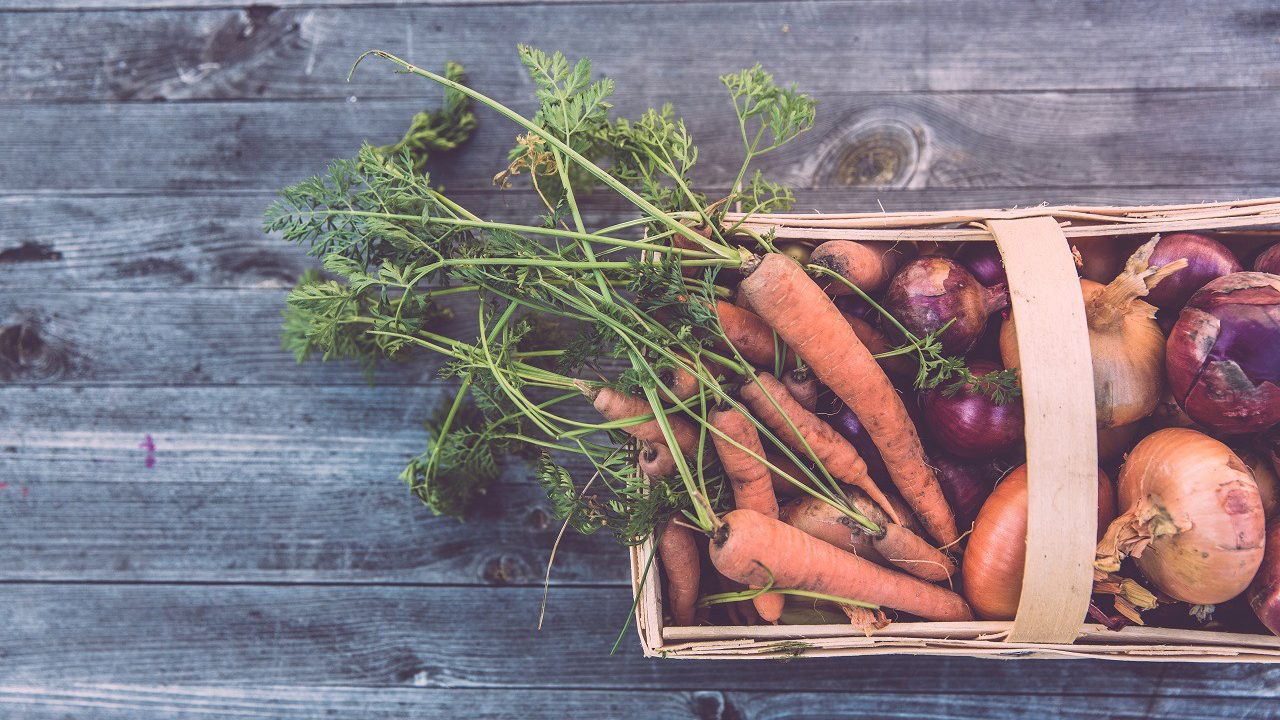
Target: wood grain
column 323, row 636
column 992, row 140
column 130, row 702
column 214, row 240
column 272, row 52
column 278, row 484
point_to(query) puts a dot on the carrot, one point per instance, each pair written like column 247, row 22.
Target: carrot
column 656, row 461
column 752, row 485
column 741, row 612
column 678, row 552
column 781, row 485
column 617, row 405
column 900, row 366
column 817, row 518
column 809, row 322
column 803, row 386
column 740, row 300
column 868, row 265
column 748, row 546
column 835, row 453
column 904, row 514
column 680, row 384
column 893, row 545
column 865, row 619
column 747, row 333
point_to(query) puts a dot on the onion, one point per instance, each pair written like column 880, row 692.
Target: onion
column 1101, row 258
column 1264, row 591
column 1207, row 259
column 1269, row 260
column 966, row 483
column 997, row 550
column 1114, row 442
column 1265, row 478
column 1192, row 518
column 1224, row 354
column 969, row 423
column 982, row 260
column 929, row 292
column 1169, row 413
column 1126, row 344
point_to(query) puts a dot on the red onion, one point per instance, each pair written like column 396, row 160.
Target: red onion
column 1264, row 591
column 969, row 423
column 982, row 259
column 1207, row 259
column 931, row 291
column 1223, row 356
column 854, row 305
column 966, row 483
column 1269, row 260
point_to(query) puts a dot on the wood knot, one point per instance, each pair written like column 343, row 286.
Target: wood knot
column 873, row 153
column 24, row 354
column 712, row 705
column 506, row 570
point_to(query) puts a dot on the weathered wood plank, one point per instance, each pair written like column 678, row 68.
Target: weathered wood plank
column 219, row 484
column 215, row 241
column 468, row 637
column 992, row 140
column 904, row 45
column 130, row 702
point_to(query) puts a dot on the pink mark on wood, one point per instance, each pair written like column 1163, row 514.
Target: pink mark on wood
column 4, row 486
column 150, row 446
column 24, row 491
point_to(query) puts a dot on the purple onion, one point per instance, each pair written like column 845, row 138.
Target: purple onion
column 1269, row 260
column 966, row 484
column 854, row 305
column 1264, row 592
column 982, row 259
column 930, row 292
column 971, row 424
column 1207, row 259
column 1223, row 356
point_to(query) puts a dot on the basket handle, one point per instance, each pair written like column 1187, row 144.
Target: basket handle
column 1061, row 429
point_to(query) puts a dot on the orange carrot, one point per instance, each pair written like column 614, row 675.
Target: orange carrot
column 655, row 460
column 617, row 405
column 783, row 487
column 901, row 366
column 893, row 545
column 907, row 517
column 752, row 485
column 678, row 552
column 809, row 322
column 680, row 384
column 748, row 546
column 803, row 386
column 747, row 333
column 868, row 265
column 835, row 453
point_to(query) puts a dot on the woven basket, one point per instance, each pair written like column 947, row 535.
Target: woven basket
column 1062, row 457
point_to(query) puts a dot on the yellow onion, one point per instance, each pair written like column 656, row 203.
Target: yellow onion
column 997, row 551
column 1264, row 475
column 1114, row 442
column 1124, row 340
column 1192, row 518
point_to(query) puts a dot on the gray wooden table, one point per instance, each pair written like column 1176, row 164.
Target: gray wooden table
column 195, row 526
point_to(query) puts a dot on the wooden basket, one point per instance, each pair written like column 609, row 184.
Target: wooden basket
column 1057, row 380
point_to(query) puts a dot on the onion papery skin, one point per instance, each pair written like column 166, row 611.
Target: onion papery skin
column 1264, row 591
column 1207, row 260
column 1128, row 362
column 930, row 291
column 1268, row 261
column 970, row 424
column 1264, row 476
column 966, row 484
column 996, row 555
column 1224, row 354
column 1197, row 504
column 983, row 261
